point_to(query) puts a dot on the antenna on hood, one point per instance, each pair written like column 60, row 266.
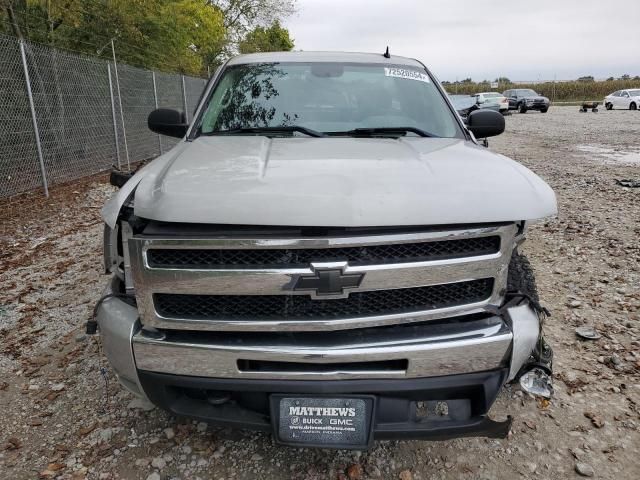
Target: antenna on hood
column 386, row 54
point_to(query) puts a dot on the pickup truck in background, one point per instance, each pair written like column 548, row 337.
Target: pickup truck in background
column 329, row 255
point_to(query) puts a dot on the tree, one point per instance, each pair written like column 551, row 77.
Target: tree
column 586, row 78
column 502, row 80
column 185, row 36
column 242, row 16
column 626, row 76
column 271, row 39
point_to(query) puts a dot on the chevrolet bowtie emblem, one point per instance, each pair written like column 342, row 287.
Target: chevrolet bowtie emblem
column 328, row 281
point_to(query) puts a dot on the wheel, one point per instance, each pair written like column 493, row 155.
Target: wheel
column 595, row 110
column 582, row 110
column 522, row 108
column 608, row 106
column 633, row 106
column 521, row 277
column 544, row 110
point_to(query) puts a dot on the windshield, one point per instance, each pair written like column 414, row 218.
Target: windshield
column 528, row 92
column 634, row 93
column 327, row 97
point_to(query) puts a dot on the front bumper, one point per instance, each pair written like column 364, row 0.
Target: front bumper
column 406, row 409
column 537, row 106
column 461, row 361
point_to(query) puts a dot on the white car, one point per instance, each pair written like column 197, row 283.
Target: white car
column 628, row 99
column 493, row 97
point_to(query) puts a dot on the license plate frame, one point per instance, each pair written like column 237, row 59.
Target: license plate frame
column 337, row 436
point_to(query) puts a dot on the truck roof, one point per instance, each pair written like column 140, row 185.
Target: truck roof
column 341, row 57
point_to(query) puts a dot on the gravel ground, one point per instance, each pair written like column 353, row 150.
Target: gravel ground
column 62, row 418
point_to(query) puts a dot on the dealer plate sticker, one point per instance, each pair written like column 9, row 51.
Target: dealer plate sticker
column 324, row 421
column 405, row 73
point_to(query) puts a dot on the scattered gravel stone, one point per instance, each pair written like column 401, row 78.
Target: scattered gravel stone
column 588, row 333
column 154, row 476
column 169, row 433
column 201, row 427
column 406, row 475
column 141, row 404
column 158, row 463
column 105, row 434
column 354, row 472
column 585, row 469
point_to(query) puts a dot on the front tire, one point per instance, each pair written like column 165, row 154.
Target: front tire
column 520, row 276
column 544, row 110
column 633, row 106
column 522, row 108
column 608, row 106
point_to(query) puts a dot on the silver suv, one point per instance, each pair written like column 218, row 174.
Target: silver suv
column 329, row 255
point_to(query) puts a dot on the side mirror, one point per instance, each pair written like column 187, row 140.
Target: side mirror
column 168, row 122
column 485, row 123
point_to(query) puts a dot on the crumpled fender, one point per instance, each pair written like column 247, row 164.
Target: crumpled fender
column 112, row 207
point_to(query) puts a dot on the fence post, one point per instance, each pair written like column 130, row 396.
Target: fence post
column 113, row 116
column 155, row 99
column 34, row 120
column 124, row 130
column 184, row 100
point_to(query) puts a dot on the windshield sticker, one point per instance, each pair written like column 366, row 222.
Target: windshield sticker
column 404, row 73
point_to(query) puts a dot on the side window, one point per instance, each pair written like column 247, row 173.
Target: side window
column 625, row 94
column 616, row 94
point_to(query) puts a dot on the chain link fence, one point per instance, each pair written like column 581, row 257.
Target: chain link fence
column 84, row 116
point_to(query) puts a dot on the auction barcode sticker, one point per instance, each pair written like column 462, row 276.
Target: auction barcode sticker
column 404, row 73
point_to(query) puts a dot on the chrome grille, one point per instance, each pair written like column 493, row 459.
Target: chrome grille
column 358, row 255
column 248, row 284
column 269, row 307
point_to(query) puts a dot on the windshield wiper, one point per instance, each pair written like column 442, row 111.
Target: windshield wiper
column 267, row 130
column 395, row 131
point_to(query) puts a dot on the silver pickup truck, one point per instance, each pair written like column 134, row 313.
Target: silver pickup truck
column 328, row 254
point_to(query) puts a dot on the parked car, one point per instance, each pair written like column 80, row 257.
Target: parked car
column 523, row 99
column 465, row 104
column 628, row 99
column 327, row 254
column 490, row 98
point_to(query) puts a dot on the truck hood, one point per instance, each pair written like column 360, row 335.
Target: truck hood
column 347, row 182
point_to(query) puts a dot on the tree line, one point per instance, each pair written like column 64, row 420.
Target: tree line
column 184, row 36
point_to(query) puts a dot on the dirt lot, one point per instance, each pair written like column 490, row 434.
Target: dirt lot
column 62, row 418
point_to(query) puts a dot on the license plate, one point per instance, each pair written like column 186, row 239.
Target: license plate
column 343, row 422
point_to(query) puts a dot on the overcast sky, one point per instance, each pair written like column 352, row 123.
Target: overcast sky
column 523, row 40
